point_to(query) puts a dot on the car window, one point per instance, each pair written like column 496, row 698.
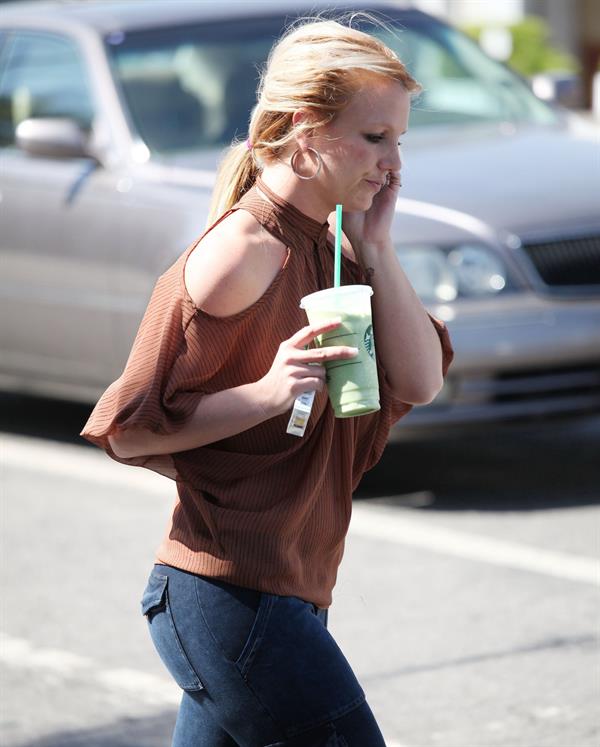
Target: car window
column 42, row 75
column 462, row 84
column 193, row 87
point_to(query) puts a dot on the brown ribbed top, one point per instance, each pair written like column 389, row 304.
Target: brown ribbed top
column 261, row 509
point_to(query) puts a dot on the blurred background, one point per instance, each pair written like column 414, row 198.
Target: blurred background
column 553, row 43
column 467, row 601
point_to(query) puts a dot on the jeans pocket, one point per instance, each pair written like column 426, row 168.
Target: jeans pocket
column 156, row 608
column 235, row 616
column 257, row 633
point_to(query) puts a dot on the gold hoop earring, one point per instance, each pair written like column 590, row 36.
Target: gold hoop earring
column 319, row 164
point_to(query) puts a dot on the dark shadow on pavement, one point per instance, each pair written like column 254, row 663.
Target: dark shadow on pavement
column 53, row 419
column 147, row 731
column 548, row 464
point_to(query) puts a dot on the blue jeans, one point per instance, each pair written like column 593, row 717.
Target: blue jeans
column 256, row 669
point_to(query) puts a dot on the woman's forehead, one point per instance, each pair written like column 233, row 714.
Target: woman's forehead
column 385, row 103
column 378, row 88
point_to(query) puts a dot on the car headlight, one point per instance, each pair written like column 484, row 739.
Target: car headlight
column 442, row 275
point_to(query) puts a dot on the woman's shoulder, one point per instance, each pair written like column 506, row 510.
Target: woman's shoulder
column 232, row 266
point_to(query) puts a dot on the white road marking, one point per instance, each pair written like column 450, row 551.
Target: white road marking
column 18, row 652
column 78, row 463
column 384, row 523
column 147, row 688
column 368, row 520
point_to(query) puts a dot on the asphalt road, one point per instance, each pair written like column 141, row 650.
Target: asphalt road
column 467, row 601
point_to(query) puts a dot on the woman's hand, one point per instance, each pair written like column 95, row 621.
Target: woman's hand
column 294, row 371
column 372, row 227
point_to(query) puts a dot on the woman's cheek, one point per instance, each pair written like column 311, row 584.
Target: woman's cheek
column 358, row 153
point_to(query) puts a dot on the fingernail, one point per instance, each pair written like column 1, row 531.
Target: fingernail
column 354, row 351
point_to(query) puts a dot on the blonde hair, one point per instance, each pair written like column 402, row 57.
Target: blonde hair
column 315, row 66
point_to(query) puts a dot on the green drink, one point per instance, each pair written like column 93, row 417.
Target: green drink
column 352, row 383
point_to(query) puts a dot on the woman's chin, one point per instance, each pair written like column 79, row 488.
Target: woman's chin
column 358, row 203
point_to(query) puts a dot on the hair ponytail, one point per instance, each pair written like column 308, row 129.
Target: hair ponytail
column 237, row 173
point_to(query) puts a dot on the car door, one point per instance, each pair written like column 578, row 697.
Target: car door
column 54, row 220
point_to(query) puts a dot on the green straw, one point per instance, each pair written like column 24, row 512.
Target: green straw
column 337, row 271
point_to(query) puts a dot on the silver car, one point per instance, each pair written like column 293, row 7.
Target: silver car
column 112, row 120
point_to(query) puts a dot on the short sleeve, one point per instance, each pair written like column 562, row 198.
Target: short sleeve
column 166, row 374
column 372, row 436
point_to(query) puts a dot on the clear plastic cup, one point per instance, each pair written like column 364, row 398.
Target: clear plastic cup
column 352, row 383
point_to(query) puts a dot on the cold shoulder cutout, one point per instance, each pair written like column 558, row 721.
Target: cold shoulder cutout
column 233, row 265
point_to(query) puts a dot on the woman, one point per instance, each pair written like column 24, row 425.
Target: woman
column 237, row 601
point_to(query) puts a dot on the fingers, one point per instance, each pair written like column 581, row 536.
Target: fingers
column 322, row 355
column 308, row 334
column 308, row 385
column 319, row 355
column 393, row 179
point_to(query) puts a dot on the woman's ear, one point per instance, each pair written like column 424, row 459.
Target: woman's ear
column 301, row 118
column 298, row 117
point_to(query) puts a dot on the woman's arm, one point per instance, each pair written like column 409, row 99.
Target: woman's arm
column 217, row 416
column 232, row 411
column 407, row 343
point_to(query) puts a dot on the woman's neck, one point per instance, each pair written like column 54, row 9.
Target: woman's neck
column 303, row 195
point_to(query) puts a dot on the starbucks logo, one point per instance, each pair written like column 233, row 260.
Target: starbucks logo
column 369, row 342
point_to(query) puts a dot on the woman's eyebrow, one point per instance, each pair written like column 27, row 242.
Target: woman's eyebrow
column 386, row 127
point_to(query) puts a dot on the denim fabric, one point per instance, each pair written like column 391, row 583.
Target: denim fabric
column 257, row 669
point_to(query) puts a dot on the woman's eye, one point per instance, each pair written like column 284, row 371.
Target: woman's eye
column 374, row 138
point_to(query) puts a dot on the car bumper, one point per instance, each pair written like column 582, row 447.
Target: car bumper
column 518, row 357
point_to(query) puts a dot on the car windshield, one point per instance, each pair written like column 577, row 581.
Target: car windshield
column 193, row 87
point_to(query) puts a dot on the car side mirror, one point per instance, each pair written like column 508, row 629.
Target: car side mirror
column 53, row 137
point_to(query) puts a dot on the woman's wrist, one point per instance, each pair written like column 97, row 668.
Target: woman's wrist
column 262, row 396
column 370, row 255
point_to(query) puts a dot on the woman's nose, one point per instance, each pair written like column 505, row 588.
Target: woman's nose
column 392, row 160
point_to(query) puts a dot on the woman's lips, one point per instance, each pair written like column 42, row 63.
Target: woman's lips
column 375, row 184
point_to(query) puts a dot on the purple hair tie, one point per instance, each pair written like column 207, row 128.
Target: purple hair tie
column 249, row 144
